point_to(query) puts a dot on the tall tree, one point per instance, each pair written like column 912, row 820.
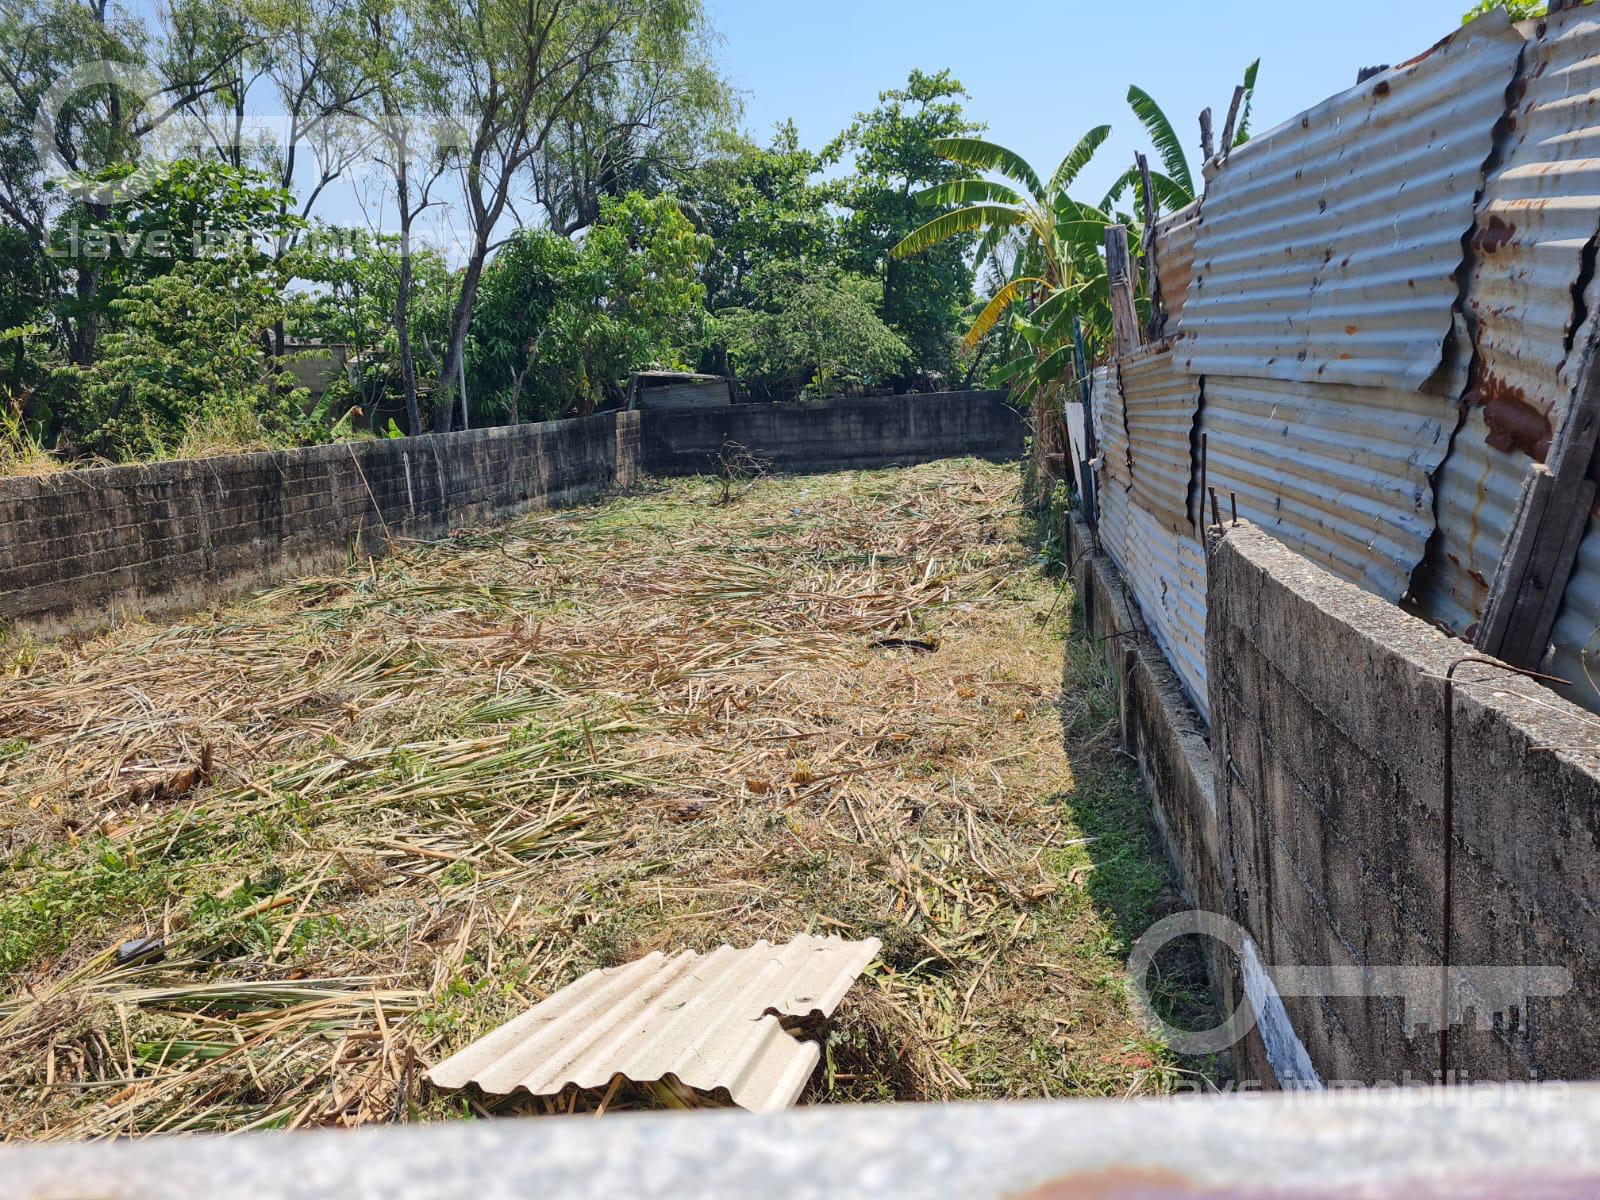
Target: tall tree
column 513, row 69
column 758, row 205
column 896, row 156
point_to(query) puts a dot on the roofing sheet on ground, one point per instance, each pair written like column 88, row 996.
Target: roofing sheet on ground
column 705, row 1020
column 1328, row 247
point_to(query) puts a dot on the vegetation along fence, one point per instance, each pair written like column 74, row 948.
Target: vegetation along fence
column 1375, row 336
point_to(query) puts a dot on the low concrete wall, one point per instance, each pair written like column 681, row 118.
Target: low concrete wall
column 81, row 547
column 1327, row 724
column 830, row 435
column 1168, row 741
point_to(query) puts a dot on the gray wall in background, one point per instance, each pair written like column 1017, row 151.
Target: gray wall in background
column 829, row 435
column 1327, row 734
column 84, row 548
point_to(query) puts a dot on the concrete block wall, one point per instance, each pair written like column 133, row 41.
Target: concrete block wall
column 830, row 435
column 82, row 548
column 85, row 548
column 1327, row 735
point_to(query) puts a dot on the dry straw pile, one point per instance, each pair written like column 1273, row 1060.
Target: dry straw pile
column 372, row 815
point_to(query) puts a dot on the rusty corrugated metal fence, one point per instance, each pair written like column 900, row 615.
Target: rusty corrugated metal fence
column 1376, row 320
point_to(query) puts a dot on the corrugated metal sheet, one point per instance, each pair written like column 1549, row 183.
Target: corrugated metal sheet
column 1166, row 573
column 1577, row 632
column 1540, row 213
column 1114, row 481
column 1160, row 401
column 703, row 1020
column 1340, row 474
column 1327, row 247
column 1175, row 236
column 1477, row 489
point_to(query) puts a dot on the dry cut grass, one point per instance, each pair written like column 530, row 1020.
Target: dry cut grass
column 372, row 815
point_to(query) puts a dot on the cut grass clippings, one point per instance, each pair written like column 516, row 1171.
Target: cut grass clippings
column 372, row 815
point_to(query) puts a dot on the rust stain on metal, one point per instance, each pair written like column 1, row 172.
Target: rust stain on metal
column 1114, row 1183
column 1494, row 235
column 1514, row 423
column 708, row 1021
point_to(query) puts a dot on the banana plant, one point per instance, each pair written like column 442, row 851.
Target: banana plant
column 1173, row 185
column 1044, row 252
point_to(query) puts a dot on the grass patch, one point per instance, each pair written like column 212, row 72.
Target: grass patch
column 447, row 783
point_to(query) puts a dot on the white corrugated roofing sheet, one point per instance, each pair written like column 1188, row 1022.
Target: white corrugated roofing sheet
column 1113, row 480
column 1160, row 401
column 706, row 1021
column 1328, row 247
column 1339, row 474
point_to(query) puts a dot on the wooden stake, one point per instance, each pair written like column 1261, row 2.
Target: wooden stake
column 1551, row 517
column 1152, row 282
column 1233, row 117
column 1119, row 282
column 1207, row 146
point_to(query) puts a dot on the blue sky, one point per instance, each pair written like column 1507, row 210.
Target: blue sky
column 1042, row 71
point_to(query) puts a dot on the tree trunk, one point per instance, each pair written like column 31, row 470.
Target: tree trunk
column 444, row 413
column 402, row 334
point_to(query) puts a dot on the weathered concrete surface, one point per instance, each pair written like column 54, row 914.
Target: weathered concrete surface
column 82, row 547
column 831, row 435
column 1535, row 1142
column 1327, row 707
column 1167, row 739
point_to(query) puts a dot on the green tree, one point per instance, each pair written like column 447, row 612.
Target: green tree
column 758, row 205
column 188, row 356
column 814, row 331
column 562, row 326
column 1054, row 272
column 896, row 157
column 1173, row 184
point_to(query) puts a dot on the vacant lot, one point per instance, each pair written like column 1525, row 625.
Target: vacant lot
column 372, row 815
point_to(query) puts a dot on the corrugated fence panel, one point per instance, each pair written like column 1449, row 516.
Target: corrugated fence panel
column 1166, row 572
column 1577, row 632
column 1340, row 474
column 1175, row 235
column 1161, row 401
column 1538, row 221
column 1113, row 482
column 1328, row 247
column 1541, row 210
column 1477, row 488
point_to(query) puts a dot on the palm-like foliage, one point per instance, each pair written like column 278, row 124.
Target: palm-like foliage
column 1043, row 252
column 1173, row 184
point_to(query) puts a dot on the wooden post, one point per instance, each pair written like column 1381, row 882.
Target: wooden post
column 1233, row 117
column 1152, row 281
column 1551, row 517
column 1119, row 282
column 1207, row 146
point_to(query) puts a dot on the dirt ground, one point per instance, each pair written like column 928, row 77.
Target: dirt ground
column 372, row 815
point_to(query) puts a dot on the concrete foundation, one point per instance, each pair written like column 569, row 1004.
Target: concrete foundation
column 1329, row 741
